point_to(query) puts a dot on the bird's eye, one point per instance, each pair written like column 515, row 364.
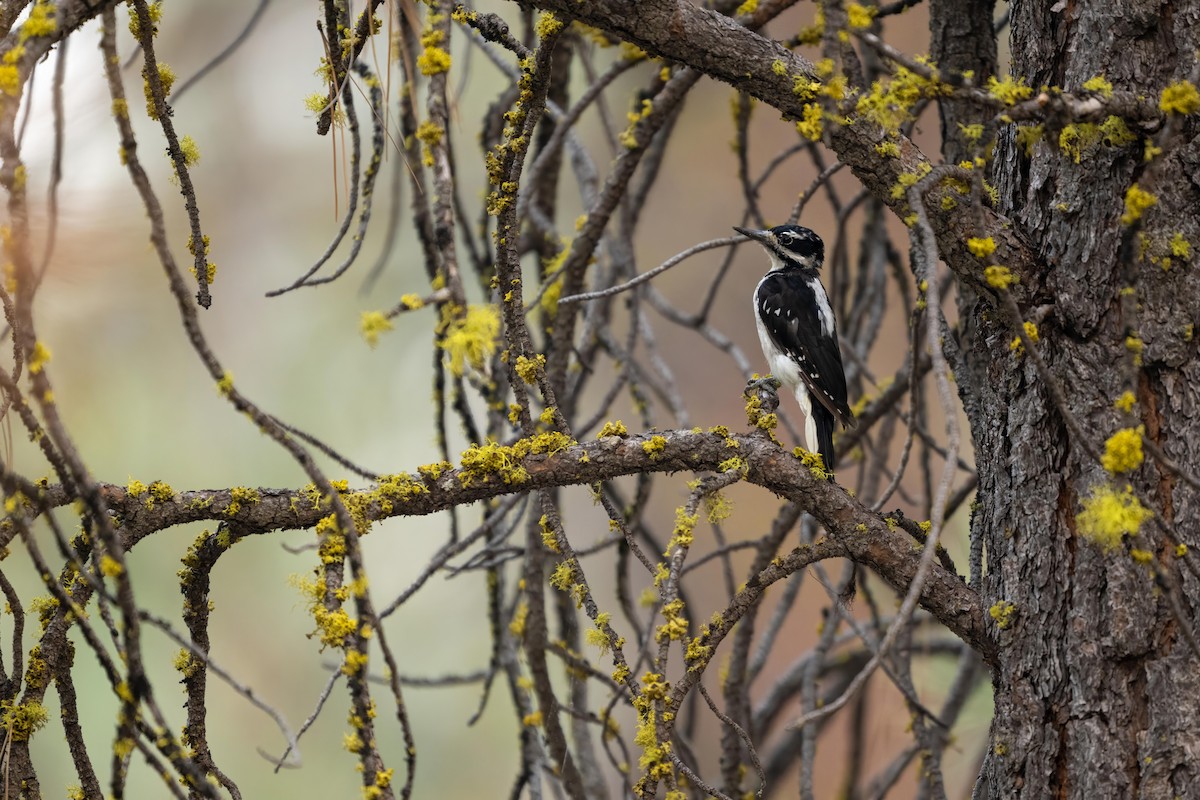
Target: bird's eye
column 787, row 237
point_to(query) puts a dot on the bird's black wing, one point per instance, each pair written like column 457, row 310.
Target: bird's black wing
column 788, row 306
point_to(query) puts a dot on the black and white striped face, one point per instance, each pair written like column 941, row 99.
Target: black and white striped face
column 789, row 245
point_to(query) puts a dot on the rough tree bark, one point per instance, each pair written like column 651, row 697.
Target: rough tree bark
column 1096, row 689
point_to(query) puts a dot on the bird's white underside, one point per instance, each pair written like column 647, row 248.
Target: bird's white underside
column 785, row 368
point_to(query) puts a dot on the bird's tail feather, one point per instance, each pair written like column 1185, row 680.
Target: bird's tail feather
column 824, row 423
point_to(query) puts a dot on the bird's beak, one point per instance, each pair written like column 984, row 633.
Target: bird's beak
column 759, row 236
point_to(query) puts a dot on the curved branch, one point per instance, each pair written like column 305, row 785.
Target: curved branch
column 867, row 537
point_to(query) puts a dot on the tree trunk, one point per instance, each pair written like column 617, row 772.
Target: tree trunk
column 1097, row 692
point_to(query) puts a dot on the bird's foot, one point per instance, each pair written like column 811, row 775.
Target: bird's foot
column 766, row 389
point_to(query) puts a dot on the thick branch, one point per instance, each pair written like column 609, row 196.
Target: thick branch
column 867, row 537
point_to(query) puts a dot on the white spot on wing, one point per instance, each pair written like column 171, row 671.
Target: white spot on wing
column 782, row 365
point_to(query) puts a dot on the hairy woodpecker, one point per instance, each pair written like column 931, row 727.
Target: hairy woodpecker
column 798, row 333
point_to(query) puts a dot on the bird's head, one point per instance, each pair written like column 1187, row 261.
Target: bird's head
column 789, row 245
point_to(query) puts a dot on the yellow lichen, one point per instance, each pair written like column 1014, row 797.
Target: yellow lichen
column 596, row 636
column 160, row 492
column 1180, row 246
column 1141, row 556
column 527, row 369
column 239, row 495
column 1100, row 85
column 859, row 16
column 1135, row 345
column 999, row 277
column 1180, row 98
column 433, row 61
column 40, row 356
column 563, row 575
column 429, row 134
column 1123, row 451
column 186, row 663
column 1029, row 135
column 1137, row 200
column 613, row 428
column 1002, row 612
column 517, row 625
column 548, row 24
column 41, row 21
column 154, row 12
column 166, row 77
column 355, row 662
column 811, row 35
column 190, row 150
column 682, row 535
column 676, row 626
column 892, row 102
column 654, row 446
column 22, row 720
column 718, row 507
column 110, row 567
column 981, row 247
column 811, row 126
column 1108, row 515
column 471, row 337
column 317, row 102
column 814, row 462
column 1009, row 91
column 1031, row 330
column 888, row 149
column 371, row 324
